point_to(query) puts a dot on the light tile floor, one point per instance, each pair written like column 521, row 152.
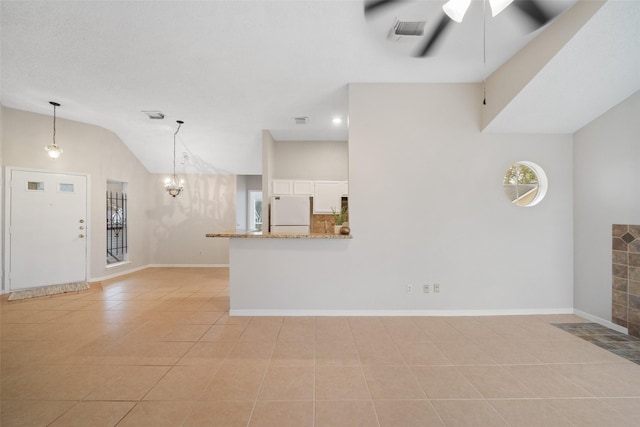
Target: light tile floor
column 158, row 348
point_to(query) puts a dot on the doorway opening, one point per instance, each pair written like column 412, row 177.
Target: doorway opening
column 254, row 220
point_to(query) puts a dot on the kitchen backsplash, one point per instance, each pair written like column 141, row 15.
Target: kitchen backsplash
column 321, row 223
column 324, row 223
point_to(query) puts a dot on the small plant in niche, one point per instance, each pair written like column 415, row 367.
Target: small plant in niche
column 340, row 217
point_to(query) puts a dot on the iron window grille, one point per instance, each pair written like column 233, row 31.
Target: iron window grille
column 116, row 227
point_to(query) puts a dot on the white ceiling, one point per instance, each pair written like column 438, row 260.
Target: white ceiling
column 597, row 69
column 232, row 68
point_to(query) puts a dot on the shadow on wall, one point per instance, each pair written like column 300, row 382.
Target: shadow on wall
column 178, row 225
column 192, row 163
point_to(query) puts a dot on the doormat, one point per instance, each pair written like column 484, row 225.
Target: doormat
column 48, row 290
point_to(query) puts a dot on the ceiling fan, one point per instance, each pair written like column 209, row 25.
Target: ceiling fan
column 454, row 10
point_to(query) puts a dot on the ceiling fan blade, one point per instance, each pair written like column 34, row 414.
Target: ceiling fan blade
column 374, row 5
column 532, row 9
column 435, row 35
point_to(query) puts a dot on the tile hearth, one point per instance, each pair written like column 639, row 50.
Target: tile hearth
column 625, row 283
column 618, row 343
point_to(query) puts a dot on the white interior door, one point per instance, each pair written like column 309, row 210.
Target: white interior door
column 48, row 229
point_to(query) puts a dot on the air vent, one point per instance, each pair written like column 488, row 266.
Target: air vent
column 403, row 29
column 303, row 120
column 154, row 115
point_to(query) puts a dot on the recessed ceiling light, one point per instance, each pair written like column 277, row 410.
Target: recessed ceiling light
column 337, row 120
column 154, row 115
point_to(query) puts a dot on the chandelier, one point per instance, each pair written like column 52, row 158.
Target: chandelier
column 173, row 185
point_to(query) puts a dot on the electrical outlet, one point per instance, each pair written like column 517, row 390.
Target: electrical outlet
column 409, row 289
column 436, row 288
column 425, row 289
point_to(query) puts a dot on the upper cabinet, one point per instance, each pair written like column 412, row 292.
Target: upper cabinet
column 303, row 188
column 282, row 187
column 328, row 197
column 344, row 185
column 292, row 187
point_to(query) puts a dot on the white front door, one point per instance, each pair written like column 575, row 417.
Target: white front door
column 47, row 229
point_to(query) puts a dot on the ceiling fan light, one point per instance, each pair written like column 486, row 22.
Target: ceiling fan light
column 498, row 6
column 455, row 9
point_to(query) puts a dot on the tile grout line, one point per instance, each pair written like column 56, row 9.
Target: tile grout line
column 361, row 365
column 264, row 375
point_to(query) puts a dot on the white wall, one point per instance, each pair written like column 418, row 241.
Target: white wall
column 178, row 225
column 89, row 150
column 267, row 171
column 241, row 202
column 254, row 182
column 2, row 202
column 162, row 230
column 606, row 192
column 315, row 160
column 426, row 205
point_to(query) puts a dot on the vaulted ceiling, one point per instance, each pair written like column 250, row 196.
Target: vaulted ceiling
column 230, row 69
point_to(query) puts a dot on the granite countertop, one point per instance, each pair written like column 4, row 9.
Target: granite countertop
column 253, row 234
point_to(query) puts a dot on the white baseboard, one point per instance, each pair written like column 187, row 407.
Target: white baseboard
column 118, row 274
column 143, row 267
column 188, row 265
column 600, row 321
column 398, row 313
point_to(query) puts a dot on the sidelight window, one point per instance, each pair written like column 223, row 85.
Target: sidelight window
column 116, row 222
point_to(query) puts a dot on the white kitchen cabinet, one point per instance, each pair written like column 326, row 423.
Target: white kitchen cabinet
column 292, row 187
column 282, row 187
column 327, row 197
column 345, row 188
column 303, row 188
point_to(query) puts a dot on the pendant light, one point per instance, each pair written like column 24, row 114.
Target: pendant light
column 54, row 150
column 174, row 186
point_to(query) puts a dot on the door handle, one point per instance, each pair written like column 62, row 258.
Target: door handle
column 81, row 236
column 82, row 221
column 82, row 227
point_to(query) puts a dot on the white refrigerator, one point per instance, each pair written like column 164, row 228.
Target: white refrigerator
column 290, row 214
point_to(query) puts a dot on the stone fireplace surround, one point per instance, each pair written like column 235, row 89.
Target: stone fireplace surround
column 625, row 304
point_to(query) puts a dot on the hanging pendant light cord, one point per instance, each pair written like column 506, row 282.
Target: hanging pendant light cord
column 55, row 104
column 174, row 149
column 484, row 52
column 54, row 125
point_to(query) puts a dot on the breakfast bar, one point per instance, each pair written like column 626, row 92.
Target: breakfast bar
column 286, row 274
column 257, row 234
